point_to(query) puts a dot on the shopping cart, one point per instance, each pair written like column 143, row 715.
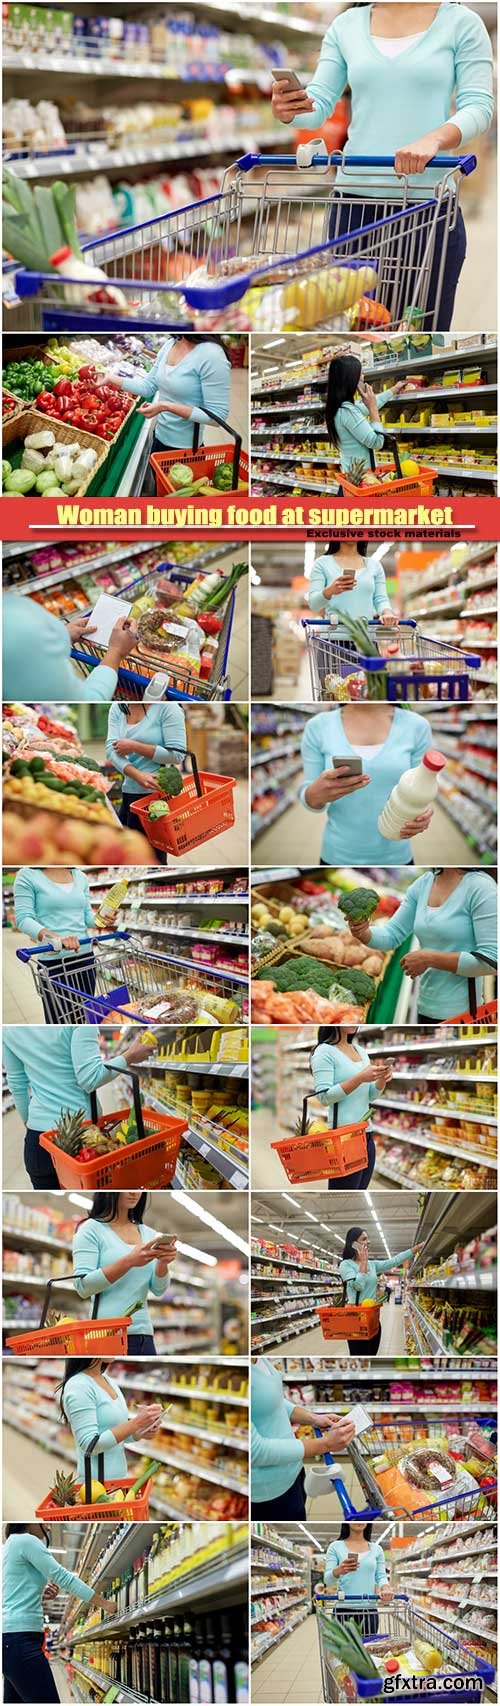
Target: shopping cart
column 401, row 672
column 179, row 268
column 142, row 666
column 113, row 975
column 390, row 1494
column 401, row 1623
column 106, row 1337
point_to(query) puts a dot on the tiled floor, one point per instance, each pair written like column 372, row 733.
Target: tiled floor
column 296, row 837
column 313, row 1343
column 292, row 1670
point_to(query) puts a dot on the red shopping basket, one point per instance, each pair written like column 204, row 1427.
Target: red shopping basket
column 203, row 462
column 150, row 1161
column 422, row 483
column 332, row 1154
column 349, row 1320
column 107, row 1337
column 487, row 1012
column 204, row 808
column 135, row 1510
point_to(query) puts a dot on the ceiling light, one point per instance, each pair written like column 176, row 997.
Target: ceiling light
column 368, row 1198
column 258, row 1219
column 291, row 1199
column 338, row 1238
column 316, row 1543
column 273, row 343
column 81, row 1202
column 186, row 1201
column 273, row 1227
column 196, row 1255
column 310, row 1216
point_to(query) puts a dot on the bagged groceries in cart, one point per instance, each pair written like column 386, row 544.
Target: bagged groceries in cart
column 369, row 1650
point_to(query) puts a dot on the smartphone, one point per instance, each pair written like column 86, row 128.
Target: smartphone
column 347, row 575
column 159, row 1243
column 352, row 1559
column 290, row 78
column 353, row 765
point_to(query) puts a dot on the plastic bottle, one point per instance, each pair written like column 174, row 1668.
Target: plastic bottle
column 415, row 791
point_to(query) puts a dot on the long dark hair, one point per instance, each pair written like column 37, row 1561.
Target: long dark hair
column 349, row 1253
column 24, row 1528
column 333, row 548
column 74, row 1365
column 345, row 1529
column 105, row 1207
column 344, row 374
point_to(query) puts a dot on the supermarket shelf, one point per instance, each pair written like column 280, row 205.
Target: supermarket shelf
column 195, row 935
column 103, row 1682
column 301, row 1600
column 437, row 1111
column 430, row 1332
column 470, row 1282
column 287, row 1263
column 194, row 965
column 279, row 751
column 177, row 1461
column 444, row 1044
column 104, row 156
column 219, row 1438
column 266, row 1545
column 214, row 1068
column 233, row 1398
column 88, row 565
column 423, row 1141
column 469, row 1628
column 448, row 1077
column 233, row 1169
column 34, row 1240
column 215, row 1577
column 274, row 1640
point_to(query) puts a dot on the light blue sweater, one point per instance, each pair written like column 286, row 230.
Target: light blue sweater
column 163, row 726
column 362, row 1288
column 37, row 657
column 361, row 1583
column 90, row 1411
column 367, row 599
column 276, row 1455
column 330, row 1069
column 356, row 433
column 351, row 836
column 27, row 1568
column 466, row 923
column 396, row 101
column 49, row 1071
column 62, row 907
column 201, row 380
column 96, row 1245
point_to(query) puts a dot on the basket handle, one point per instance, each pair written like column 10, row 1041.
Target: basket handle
column 88, row 1471
column 312, row 1097
column 472, row 987
column 391, row 443
column 185, row 752
column 232, row 434
column 64, row 1278
column 94, row 1110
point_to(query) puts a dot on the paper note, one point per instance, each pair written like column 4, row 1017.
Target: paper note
column 106, row 612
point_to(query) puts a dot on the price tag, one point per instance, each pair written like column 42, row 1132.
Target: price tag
column 204, row 1149
column 239, row 1181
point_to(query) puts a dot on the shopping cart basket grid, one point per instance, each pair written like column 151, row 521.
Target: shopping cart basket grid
column 407, row 674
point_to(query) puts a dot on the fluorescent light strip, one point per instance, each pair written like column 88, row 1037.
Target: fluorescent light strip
column 186, row 1202
column 195, row 1254
column 291, row 1199
column 316, row 1543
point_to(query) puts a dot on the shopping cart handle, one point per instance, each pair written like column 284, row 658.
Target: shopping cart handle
column 324, row 622
column 342, row 1494
column 465, row 163
column 26, row 954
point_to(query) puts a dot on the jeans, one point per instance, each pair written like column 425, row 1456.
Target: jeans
column 357, row 1181
column 290, row 1506
column 365, row 1347
column 367, row 214
column 60, row 1006
column 38, row 1163
column 141, row 1345
column 26, row 1670
column 130, row 820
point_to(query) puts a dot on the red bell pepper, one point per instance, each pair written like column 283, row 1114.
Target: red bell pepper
column 63, row 388
column 45, row 401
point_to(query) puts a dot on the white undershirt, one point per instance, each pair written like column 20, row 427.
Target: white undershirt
column 367, row 751
column 392, row 46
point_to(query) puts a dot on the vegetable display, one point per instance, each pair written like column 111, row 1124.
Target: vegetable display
column 87, row 403
column 302, row 972
column 51, row 467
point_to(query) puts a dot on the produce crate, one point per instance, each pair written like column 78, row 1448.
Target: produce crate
column 289, row 951
column 15, row 413
column 87, row 811
column 32, row 420
column 136, row 1510
column 151, row 1161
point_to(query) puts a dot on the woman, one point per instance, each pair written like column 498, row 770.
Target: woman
column 453, row 913
column 277, row 1456
column 388, row 739
column 30, row 1573
column 359, row 1275
column 94, row 1405
column 53, row 904
column 48, row 1077
column 355, row 1569
column 349, row 587
column 160, row 737
column 120, row 1259
column 191, row 376
column 405, row 66
column 344, row 1078
column 37, row 654
column 352, row 411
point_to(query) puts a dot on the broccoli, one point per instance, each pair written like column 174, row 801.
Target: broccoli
column 170, row 780
column 357, row 983
column 359, row 905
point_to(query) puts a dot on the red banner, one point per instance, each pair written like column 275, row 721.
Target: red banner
column 444, row 519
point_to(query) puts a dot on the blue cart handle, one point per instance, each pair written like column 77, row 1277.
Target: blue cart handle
column 342, row 1494
column 465, row 163
column 323, row 622
column 360, row 1599
column 26, row 954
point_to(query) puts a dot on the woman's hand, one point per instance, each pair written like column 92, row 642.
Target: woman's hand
column 368, row 397
column 415, row 156
column 121, row 641
column 51, row 1591
column 71, row 943
column 361, row 931
column 337, row 1437
column 346, row 1567
column 384, row 1593
column 145, row 1419
column 78, row 626
column 139, row 1258
column 333, row 785
column 340, row 585
column 415, row 963
column 136, row 1053
column 417, row 825
column 123, row 747
column 149, row 780
column 388, row 618
column 286, row 102
column 151, row 410
column 107, row 1605
column 46, row 936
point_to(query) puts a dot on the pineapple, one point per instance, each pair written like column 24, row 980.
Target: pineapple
column 312, row 1127
column 65, row 1490
column 356, row 471
column 74, row 1133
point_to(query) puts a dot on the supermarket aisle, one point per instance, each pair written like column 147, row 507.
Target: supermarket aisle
column 238, row 655
column 392, row 1342
column 292, row 1670
column 303, row 841
column 21, row 1004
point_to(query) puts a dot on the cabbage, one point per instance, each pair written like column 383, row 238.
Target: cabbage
column 21, row 480
column 158, row 808
column 180, row 475
column 45, row 481
column 6, row 469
